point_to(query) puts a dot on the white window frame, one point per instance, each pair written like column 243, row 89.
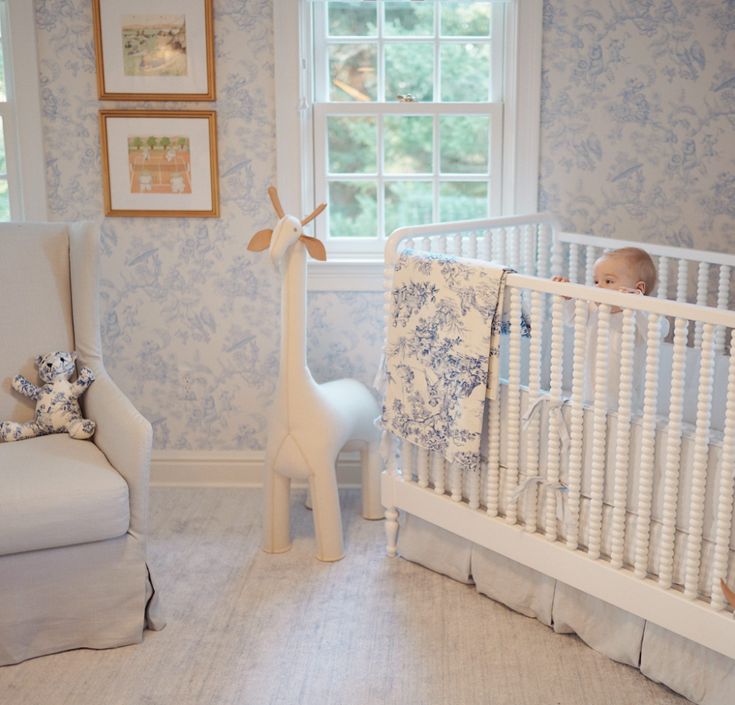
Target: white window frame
column 295, row 151
column 21, row 113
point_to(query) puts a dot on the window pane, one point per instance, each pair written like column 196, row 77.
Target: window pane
column 409, row 69
column 462, row 200
column 353, row 209
column 409, row 20
column 3, row 163
column 465, row 71
column 408, row 144
column 4, row 200
column 351, row 20
column 464, row 144
column 465, row 20
column 353, row 72
column 408, row 203
column 352, row 145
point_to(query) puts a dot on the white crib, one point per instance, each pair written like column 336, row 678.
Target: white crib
column 636, row 509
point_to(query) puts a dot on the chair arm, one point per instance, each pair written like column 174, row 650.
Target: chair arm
column 126, row 438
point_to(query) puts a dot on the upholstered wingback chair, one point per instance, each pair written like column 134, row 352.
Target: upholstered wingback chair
column 73, row 513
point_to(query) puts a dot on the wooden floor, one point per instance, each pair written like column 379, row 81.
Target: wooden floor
column 250, row 628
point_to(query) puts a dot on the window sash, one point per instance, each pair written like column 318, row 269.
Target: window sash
column 322, row 178
column 323, row 109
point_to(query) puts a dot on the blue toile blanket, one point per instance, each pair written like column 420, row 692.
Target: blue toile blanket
column 441, row 355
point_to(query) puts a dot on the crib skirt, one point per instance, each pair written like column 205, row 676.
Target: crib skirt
column 699, row 674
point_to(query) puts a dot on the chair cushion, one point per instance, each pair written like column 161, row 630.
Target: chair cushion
column 57, row 491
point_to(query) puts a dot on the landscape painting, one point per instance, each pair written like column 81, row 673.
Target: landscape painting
column 154, row 45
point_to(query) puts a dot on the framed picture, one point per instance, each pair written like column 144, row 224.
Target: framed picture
column 159, row 162
column 154, row 49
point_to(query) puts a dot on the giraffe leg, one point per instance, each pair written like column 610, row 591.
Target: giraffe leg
column 327, row 514
column 371, row 467
column 276, row 519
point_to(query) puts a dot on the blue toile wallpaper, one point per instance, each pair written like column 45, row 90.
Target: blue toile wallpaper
column 638, row 118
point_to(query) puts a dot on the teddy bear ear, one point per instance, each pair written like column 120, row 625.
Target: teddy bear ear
column 39, row 360
column 74, row 356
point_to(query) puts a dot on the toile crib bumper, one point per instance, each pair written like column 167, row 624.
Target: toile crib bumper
column 616, row 523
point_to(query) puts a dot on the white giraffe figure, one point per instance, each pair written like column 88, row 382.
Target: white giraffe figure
column 311, row 423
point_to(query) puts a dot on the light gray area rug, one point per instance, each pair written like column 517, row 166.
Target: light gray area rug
column 249, row 628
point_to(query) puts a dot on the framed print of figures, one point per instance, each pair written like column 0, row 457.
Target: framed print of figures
column 159, row 163
column 154, row 49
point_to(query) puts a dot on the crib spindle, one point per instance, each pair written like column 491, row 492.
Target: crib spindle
column 723, row 523
column 702, row 292
column 407, row 449
column 547, row 243
column 576, row 445
column 514, row 407
column 589, row 267
column 682, row 280
column 439, row 467
column 455, row 482
column 648, row 449
column 553, row 463
column 662, row 288
column 422, row 467
column 622, row 439
column 723, row 302
column 533, row 423
column 672, row 463
column 699, row 466
column 599, row 433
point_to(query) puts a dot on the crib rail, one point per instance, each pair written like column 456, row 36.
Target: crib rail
column 629, row 498
column 695, row 276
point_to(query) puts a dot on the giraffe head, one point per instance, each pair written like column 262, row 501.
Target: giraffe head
column 287, row 232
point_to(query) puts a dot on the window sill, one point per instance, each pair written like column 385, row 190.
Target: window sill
column 345, row 275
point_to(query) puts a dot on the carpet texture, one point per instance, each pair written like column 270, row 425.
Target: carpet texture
column 249, row 628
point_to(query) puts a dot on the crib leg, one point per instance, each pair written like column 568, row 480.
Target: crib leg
column 371, row 467
column 391, row 531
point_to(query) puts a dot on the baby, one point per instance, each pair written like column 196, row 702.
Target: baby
column 630, row 270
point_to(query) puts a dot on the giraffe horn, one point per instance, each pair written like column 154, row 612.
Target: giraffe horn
column 273, row 193
column 314, row 214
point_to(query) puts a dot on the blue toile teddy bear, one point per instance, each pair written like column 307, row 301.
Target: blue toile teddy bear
column 57, row 408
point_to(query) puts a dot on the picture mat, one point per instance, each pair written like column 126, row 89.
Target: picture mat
column 196, row 129
column 112, row 14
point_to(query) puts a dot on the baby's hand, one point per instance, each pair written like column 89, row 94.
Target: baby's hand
column 563, row 280
column 625, row 290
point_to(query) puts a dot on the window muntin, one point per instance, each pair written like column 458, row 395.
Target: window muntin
column 407, row 118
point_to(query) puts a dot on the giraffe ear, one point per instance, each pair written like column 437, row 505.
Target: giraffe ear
column 314, row 247
column 260, row 241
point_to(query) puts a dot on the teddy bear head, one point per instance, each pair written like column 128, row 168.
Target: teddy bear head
column 56, row 365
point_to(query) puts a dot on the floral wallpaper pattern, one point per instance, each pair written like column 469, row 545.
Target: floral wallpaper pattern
column 636, row 141
column 638, row 119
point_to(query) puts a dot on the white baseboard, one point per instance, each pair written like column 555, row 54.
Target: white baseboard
column 211, row 468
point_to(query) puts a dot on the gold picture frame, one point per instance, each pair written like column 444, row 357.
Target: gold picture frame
column 160, row 163
column 154, row 49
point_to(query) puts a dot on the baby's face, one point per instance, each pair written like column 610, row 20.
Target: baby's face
column 613, row 272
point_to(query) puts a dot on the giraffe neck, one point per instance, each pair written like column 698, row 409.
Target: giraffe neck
column 293, row 367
